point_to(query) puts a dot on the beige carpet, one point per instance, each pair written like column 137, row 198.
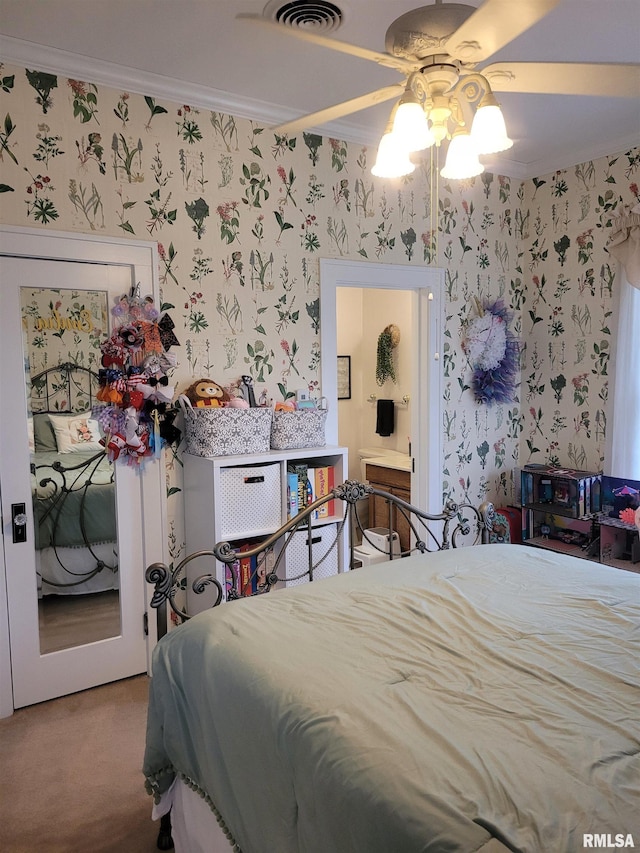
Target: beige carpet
column 71, row 780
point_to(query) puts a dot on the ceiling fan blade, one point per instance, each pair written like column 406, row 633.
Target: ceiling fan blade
column 343, row 109
column 565, row 78
column 494, row 24
column 397, row 63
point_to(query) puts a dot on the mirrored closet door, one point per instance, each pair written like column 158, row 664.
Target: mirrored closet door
column 74, row 528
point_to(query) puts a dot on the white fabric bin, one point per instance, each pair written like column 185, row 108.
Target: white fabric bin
column 323, row 540
column 250, row 500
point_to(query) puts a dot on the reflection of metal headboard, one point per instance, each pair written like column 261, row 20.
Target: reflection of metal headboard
column 430, row 532
column 72, row 384
column 69, row 388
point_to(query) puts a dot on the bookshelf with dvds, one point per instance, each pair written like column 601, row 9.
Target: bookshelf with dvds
column 245, row 498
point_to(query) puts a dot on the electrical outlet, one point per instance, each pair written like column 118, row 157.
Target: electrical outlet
column 302, row 395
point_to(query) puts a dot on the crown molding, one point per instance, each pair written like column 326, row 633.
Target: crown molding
column 127, row 79
column 558, row 162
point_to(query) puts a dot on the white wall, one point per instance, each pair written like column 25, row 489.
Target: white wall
column 362, row 314
column 349, row 314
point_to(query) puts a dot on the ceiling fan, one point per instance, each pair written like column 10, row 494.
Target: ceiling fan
column 446, row 94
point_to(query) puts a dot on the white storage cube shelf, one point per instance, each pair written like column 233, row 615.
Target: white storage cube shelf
column 233, row 498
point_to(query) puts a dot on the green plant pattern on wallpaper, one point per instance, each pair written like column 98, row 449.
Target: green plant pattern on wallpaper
column 229, row 221
column 280, row 202
column 121, row 109
column 85, row 100
column 225, row 129
column 47, row 147
column 154, row 110
column 91, row 150
column 255, row 183
column 158, row 210
column 313, row 143
column 43, row 84
column 188, row 128
column 41, row 206
column 124, row 157
column 8, row 127
column 88, row 203
column 197, row 211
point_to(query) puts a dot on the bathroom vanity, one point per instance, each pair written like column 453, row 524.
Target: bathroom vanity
column 391, row 474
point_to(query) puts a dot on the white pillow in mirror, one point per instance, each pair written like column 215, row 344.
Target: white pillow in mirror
column 76, row 433
column 30, row 435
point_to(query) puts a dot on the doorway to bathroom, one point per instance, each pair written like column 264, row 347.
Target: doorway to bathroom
column 420, row 291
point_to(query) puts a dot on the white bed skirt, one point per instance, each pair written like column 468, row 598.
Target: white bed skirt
column 76, row 560
column 194, row 827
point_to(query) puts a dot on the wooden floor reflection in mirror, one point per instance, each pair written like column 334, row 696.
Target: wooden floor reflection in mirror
column 67, row 621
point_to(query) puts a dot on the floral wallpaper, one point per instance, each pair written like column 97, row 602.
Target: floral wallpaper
column 242, row 215
column 568, row 322
column 63, row 325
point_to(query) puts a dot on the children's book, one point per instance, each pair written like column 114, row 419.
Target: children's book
column 311, row 487
column 301, row 470
column 324, row 483
column 292, row 494
column 245, row 571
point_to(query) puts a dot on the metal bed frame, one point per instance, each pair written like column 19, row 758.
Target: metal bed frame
column 456, row 525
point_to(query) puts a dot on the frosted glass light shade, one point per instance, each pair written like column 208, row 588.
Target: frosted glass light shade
column 392, row 160
column 411, row 128
column 488, row 130
column 462, row 158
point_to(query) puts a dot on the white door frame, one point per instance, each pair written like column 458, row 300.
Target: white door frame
column 52, row 245
column 427, row 309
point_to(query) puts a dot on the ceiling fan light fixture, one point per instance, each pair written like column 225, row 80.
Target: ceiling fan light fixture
column 410, row 126
column 392, row 160
column 488, row 130
column 439, row 128
column 462, row 157
column 439, row 115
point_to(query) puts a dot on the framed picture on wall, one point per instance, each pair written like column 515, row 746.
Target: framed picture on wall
column 344, row 377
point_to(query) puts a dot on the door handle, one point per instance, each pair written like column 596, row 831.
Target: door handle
column 19, row 522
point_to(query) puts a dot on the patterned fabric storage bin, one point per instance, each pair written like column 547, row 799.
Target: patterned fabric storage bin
column 323, row 544
column 227, row 432
column 250, row 500
column 292, row 430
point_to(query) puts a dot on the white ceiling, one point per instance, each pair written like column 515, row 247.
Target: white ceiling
column 196, row 52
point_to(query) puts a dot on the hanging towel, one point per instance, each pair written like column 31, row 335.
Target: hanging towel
column 385, row 421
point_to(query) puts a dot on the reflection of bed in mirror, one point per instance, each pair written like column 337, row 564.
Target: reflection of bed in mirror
column 73, row 486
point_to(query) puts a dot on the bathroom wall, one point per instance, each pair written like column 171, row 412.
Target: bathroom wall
column 349, row 339
column 362, row 314
column 382, row 307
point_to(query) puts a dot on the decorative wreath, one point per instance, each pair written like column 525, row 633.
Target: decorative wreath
column 492, row 351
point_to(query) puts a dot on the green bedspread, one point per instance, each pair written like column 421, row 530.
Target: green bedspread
column 429, row 704
column 65, row 519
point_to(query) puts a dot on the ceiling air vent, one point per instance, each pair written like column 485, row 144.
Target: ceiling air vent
column 317, row 15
